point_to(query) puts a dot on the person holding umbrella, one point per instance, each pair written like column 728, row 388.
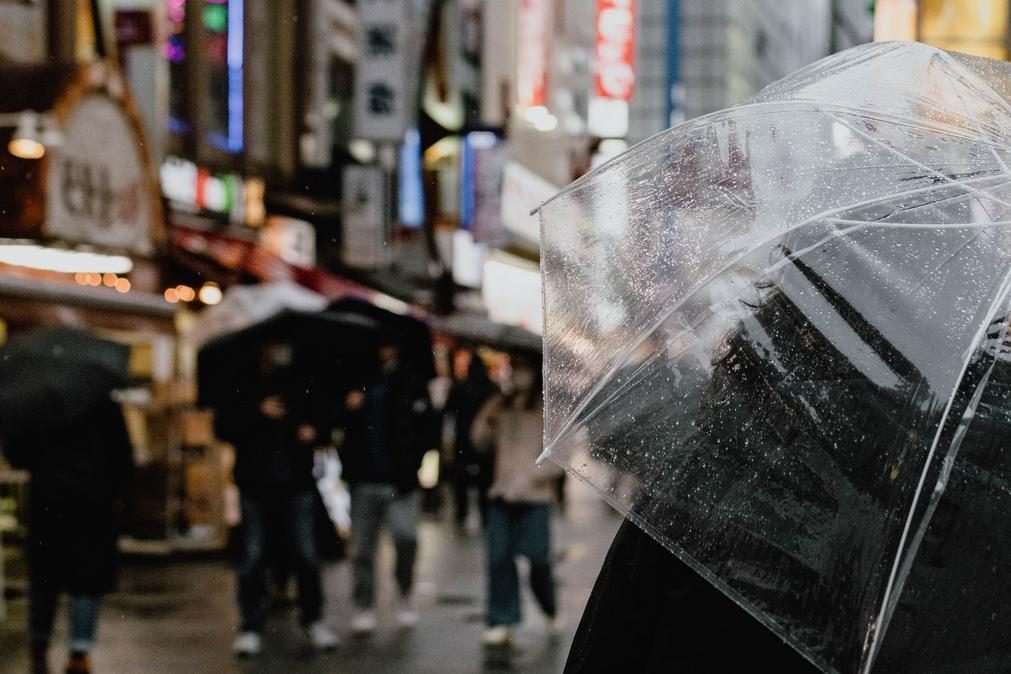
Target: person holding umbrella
column 385, row 437
column 60, row 423
column 272, row 429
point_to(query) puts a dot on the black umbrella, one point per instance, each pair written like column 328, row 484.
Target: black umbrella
column 481, row 330
column 55, row 377
column 412, row 335
column 330, row 352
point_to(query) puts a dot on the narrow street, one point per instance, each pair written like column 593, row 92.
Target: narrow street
column 178, row 615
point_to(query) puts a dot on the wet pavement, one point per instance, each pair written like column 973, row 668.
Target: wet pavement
column 179, row 616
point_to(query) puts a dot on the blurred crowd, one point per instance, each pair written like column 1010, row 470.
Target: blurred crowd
column 330, row 451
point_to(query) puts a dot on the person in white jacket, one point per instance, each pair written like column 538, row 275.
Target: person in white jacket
column 519, row 510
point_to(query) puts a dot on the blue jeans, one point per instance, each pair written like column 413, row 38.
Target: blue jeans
column 83, row 617
column 293, row 517
column 518, row 529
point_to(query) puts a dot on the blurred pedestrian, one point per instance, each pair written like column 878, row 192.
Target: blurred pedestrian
column 519, row 508
column 79, row 478
column 386, row 432
column 274, row 435
column 472, row 387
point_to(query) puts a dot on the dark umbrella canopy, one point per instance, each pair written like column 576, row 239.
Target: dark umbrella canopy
column 413, row 335
column 330, row 351
column 55, row 377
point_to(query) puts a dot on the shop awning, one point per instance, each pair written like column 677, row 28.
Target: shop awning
column 56, row 292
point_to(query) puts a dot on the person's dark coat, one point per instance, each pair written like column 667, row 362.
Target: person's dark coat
column 466, row 398
column 269, row 457
column 402, row 420
column 79, row 478
column 651, row 613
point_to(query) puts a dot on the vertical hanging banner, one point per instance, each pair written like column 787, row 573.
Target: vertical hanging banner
column 532, row 57
column 615, row 49
column 365, row 244
column 382, row 95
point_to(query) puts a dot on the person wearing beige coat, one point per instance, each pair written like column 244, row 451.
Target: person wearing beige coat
column 519, row 510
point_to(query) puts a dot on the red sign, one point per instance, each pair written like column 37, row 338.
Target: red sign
column 615, row 52
column 532, row 59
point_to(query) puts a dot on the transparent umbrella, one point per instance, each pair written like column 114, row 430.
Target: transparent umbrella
column 775, row 338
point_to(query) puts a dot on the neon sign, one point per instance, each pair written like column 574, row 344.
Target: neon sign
column 615, row 51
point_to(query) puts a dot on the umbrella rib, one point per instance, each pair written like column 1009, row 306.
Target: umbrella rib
column 858, row 225
column 903, row 155
column 913, row 225
column 893, row 582
column 671, row 356
column 982, row 90
column 623, row 356
column 760, row 108
column 975, row 123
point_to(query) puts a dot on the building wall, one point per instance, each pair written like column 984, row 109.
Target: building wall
column 648, row 108
column 498, row 60
column 768, row 39
column 853, row 23
column 704, row 35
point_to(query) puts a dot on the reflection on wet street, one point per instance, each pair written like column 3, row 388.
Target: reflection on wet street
column 178, row 615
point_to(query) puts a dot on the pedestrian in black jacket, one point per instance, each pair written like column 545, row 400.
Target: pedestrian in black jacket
column 274, row 434
column 79, row 482
column 386, row 433
column 470, row 468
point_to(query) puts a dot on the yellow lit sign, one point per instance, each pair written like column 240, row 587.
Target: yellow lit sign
column 976, row 27
column 894, row 20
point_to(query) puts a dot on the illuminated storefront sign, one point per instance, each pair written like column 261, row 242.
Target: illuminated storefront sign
column 895, row 20
column 522, row 191
column 366, row 239
column 223, row 27
column 175, row 54
column 99, row 189
column 412, row 189
column 511, row 290
column 481, row 169
column 290, row 239
column 977, row 27
column 192, row 188
column 532, row 55
column 615, row 51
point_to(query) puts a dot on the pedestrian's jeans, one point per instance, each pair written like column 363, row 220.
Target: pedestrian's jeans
column 372, row 504
column 294, row 515
column 518, row 529
column 83, row 617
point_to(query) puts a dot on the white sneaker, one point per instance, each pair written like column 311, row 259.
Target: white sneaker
column 363, row 622
column 500, row 635
column 406, row 615
column 247, row 645
column 322, row 637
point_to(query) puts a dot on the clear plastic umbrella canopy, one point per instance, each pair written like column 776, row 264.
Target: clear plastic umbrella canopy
column 775, row 339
